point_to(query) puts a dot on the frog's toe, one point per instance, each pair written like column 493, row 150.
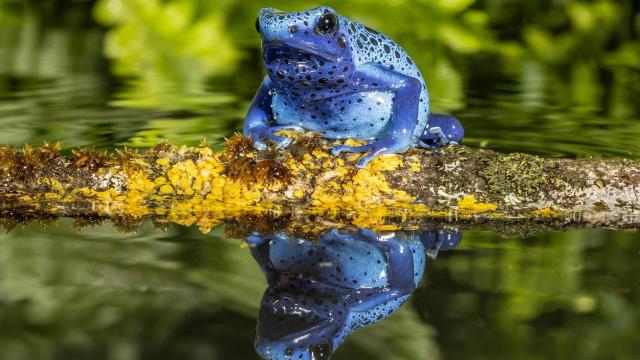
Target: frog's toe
column 259, row 145
column 255, row 239
column 362, row 163
column 344, row 148
column 383, row 147
column 280, row 141
column 287, row 127
column 376, row 148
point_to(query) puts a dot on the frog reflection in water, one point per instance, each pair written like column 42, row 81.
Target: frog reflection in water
column 321, row 291
column 329, row 74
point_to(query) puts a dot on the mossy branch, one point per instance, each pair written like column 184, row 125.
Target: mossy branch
column 199, row 186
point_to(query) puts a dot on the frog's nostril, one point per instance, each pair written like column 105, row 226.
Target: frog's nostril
column 293, row 29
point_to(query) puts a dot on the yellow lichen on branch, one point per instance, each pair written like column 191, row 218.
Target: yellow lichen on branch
column 198, row 186
column 470, row 204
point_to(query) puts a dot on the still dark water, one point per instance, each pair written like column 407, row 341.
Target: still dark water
column 98, row 293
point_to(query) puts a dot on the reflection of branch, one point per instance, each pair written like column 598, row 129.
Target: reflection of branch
column 198, row 186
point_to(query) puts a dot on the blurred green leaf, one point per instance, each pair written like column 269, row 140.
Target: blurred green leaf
column 450, row 6
column 460, row 39
column 165, row 42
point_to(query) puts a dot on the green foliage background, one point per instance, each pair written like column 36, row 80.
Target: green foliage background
column 522, row 75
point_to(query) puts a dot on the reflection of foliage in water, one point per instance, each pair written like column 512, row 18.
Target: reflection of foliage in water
column 565, row 295
column 173, row 295
column 179, row 294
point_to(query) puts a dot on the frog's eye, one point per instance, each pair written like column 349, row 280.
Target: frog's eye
column 258, row 25
column 327, row 24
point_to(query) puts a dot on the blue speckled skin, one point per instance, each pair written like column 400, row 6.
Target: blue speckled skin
column 350, row 82
column 321, row 291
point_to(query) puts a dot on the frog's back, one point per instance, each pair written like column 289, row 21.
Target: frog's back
column 371, row 46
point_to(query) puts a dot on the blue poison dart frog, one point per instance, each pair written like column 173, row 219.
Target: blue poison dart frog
column 322, row 290
column 335, row 76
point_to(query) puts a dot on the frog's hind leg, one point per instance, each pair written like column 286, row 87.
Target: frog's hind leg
column 441, row 130
column 397, row 135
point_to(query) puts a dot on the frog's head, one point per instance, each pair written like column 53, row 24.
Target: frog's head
column 306, row 49
column 294, row 336
column 294, row 325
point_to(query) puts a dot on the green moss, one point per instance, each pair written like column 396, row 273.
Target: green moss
column 520, row 174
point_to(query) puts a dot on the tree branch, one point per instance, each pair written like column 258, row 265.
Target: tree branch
column 199, row 186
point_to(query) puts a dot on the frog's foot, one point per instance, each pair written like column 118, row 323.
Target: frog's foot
column 256, row 239
column 376, row 148
column 437, row 138
column 441, row 130
column 287, row 127
column 265, row 132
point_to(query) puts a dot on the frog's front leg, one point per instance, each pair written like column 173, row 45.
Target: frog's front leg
column 398, row 136
column 256, row 125
column 260, row 245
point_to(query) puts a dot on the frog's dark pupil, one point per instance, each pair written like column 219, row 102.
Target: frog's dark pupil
column 327, row 24
column 258, row 25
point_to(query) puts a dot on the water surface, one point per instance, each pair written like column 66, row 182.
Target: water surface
column 95, row 293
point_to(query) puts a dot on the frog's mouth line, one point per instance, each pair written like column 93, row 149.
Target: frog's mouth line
column 274, row 50
column 281, row 331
